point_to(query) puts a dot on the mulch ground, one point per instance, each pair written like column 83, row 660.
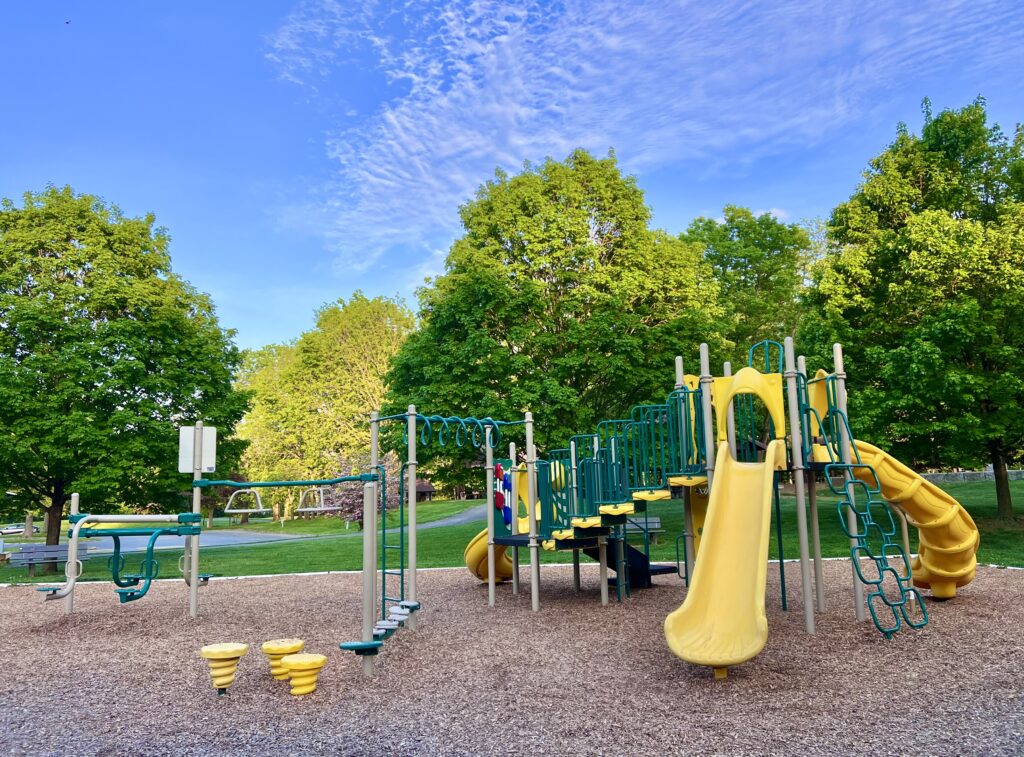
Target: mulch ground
column 574, row 678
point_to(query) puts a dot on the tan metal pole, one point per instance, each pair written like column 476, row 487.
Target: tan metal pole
column 531, row 479
column 192, row 542
column 847, row 454
column 410, row 494
column 369, row 571
column 489, row 483
column 797, row 456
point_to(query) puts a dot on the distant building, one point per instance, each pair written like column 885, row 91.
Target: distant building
column 424, row 490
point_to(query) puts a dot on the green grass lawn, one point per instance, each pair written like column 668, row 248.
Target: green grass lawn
column 1001, row 542
column 324, row 525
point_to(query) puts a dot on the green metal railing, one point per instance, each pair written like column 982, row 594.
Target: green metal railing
column 686, row 419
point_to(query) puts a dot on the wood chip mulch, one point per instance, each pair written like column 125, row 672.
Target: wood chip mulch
column 575, row 678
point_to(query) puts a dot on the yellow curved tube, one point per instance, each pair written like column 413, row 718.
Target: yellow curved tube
column 948, row 537
column 476, row 558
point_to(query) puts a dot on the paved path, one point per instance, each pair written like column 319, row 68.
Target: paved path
column 213, row 538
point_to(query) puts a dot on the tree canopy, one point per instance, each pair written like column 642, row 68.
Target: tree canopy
column 557, row 298
column 924, row 285
column 312, row 399
column 759, row 263
column 104, row 351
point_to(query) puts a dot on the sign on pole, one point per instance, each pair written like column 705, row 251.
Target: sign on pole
column 186, row 440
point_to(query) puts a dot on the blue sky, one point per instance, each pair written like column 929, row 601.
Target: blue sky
column 298, row 151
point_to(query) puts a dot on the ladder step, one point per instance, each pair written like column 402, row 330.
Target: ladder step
column 392, row 546
column 393, row 572
column 386, row 624
column 409, row 605
column 397, row 600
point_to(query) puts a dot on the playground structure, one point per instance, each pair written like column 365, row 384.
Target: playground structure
column 726, row 456
column 399, row 605
column 710, row 444
column 129, row 586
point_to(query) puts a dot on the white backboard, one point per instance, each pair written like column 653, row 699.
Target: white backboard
column 186, row 437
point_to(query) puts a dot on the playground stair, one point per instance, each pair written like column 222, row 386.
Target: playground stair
column 639, row 568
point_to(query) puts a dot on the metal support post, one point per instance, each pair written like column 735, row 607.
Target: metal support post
column 730, row 414
column 192, row 542
column 410, row 493
column 812, row 491
column 602, row 559
column 514, row 502
column 574, row 498
column 531, row 498
column 489, row 484
column 709, row 434
column 69, row 600
column 847, row 455
column 688, row 534
column 369, row 571
column 797, row 455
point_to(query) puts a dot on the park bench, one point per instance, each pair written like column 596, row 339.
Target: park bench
column 32, row 555
column 636, row 526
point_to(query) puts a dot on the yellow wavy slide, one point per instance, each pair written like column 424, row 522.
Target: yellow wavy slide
column 948, row 537
column 476, row 558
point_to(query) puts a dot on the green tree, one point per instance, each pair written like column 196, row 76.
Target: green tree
column 925, row 288
column 557, row 298
column 760, row 264
column 104, row 351
column 312, row 398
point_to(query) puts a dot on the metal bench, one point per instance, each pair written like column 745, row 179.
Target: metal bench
column 40, row 554
column 635, row 526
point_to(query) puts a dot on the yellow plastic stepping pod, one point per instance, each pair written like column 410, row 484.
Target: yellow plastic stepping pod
column 303, row 670
column 223, row 660
column 278, row 648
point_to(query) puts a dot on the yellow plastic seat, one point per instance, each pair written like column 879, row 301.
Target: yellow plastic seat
column 594, row 521
column 223, row 660
column 278, row 648
column 565, row 533
column 652, row 495
column 303, row 670
column 626, row 508
column 687, row 480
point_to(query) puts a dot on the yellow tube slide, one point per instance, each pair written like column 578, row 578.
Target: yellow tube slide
column 476, row 558
column 722, row 622
column 948, row 537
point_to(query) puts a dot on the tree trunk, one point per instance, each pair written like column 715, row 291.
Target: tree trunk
column 54, row 514
column 1004, row 503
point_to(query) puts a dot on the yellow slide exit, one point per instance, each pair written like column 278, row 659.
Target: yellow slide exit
column 722, row 622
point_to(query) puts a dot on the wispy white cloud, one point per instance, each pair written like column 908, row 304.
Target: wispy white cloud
column 475, row 85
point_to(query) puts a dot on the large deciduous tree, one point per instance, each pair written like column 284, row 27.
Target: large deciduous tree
column 312, row 399
column 104, row 351
column 557, row 298
column 925, row 287
column 760, row 264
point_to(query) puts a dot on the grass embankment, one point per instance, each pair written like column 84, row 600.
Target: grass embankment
column 1002, row 542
